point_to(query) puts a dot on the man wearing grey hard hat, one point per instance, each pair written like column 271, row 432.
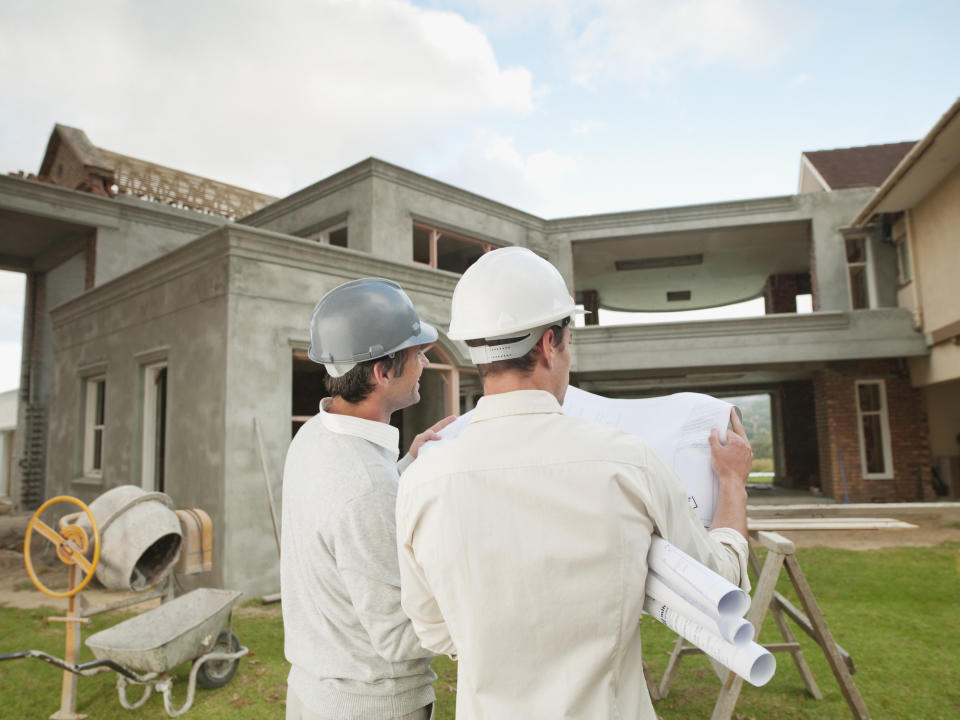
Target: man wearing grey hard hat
column 352, row 650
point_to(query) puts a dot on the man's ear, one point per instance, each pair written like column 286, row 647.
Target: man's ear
column 381, row 373
column 545, row 347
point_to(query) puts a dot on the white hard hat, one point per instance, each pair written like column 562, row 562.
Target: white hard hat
column 363, row 320
column 510, row 293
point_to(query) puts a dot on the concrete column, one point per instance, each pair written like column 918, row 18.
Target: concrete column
column 29, row 452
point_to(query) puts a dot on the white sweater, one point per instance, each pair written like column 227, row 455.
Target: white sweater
column 353, row 651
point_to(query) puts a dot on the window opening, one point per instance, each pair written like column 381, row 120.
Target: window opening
column 332, row 235
column 338, row 237
column 95, row 413
column 857, row 271
column 446, row 250
column 307, row 389
column 874, row 428
column 154, row 427
column 757, row 414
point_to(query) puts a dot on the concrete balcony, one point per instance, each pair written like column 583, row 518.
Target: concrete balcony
column 748, row 342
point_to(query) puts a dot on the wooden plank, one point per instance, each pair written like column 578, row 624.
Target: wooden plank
column 648, row 677
column 778, row 524
column 804, row 624
column 775, row 609
column 774, row 542
column 762, row 597
column 671, row 670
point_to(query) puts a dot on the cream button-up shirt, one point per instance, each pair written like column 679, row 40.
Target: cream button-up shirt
column 522, row 550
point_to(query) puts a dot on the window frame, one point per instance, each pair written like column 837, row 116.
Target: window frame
column 320, row 232
column 863, row 265
column 94, row 405
column 149, row 407
column 434, row 234
column 884, row 416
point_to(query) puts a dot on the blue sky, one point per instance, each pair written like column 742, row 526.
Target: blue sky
column 553, row 106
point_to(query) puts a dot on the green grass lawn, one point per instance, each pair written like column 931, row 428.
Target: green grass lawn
column 897, row 612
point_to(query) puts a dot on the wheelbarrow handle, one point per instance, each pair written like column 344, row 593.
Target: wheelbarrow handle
column 84, row 669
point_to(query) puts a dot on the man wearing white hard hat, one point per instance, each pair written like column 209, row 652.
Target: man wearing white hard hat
column 352, row 650
column 523, row 541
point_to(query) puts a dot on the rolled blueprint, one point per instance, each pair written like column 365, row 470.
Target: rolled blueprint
column 696, row 583
column 736, row 630
column 753, row 662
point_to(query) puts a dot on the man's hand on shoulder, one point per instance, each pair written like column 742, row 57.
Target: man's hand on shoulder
column 431, row 433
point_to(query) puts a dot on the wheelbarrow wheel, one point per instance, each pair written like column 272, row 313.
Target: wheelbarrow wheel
column 217, row 673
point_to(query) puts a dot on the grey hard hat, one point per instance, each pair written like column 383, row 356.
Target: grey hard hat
column 363, row 320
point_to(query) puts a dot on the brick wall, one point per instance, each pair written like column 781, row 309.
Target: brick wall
column 780, row 294
column 838, row 434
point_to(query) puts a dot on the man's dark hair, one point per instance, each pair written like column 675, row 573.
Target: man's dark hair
column 525, row 364
column 357, row 384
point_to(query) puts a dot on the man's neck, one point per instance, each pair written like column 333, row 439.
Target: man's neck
column 370, row 408
column 511, row 381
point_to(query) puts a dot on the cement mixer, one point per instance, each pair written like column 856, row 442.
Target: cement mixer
column 140, row 533
column 134, row 540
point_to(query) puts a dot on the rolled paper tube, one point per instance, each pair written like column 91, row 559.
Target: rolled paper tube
column 736, row 630
column 753, row 662
column 695, row 582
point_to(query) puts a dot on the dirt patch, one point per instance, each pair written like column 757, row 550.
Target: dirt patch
column 931, row 530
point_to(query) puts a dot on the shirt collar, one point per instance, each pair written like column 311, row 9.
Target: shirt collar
column 518, row 402
column 382, row 434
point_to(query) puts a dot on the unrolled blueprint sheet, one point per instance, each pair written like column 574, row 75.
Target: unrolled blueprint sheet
column 677, row 427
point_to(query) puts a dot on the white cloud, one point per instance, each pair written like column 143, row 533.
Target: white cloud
column 589, row 127
column 629, row 40
column 490, row 164
column 799, row 80
column 643, row 40
column 270, row 96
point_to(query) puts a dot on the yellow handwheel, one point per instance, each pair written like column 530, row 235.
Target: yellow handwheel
column 71, row 543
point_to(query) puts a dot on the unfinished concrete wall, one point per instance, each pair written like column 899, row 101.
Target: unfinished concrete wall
column 142, row 231
column 346, row 196
column 173, row 310
column 275, row 282
column 380, row 202
column 401, row 197
column 829, row 212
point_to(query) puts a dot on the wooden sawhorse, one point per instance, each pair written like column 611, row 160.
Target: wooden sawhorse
column 765, row 597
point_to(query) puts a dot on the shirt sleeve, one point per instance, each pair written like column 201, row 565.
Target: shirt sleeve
column 416, row 596
column 723, row 550
column 366, row 552
column 404, row 463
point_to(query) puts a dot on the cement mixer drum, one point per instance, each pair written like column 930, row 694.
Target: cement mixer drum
column 140, row 537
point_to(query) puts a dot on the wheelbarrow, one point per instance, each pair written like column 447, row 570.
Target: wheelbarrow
column 144, row 649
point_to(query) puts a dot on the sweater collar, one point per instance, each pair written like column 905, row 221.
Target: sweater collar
column 382, row 434
column 518, row 402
